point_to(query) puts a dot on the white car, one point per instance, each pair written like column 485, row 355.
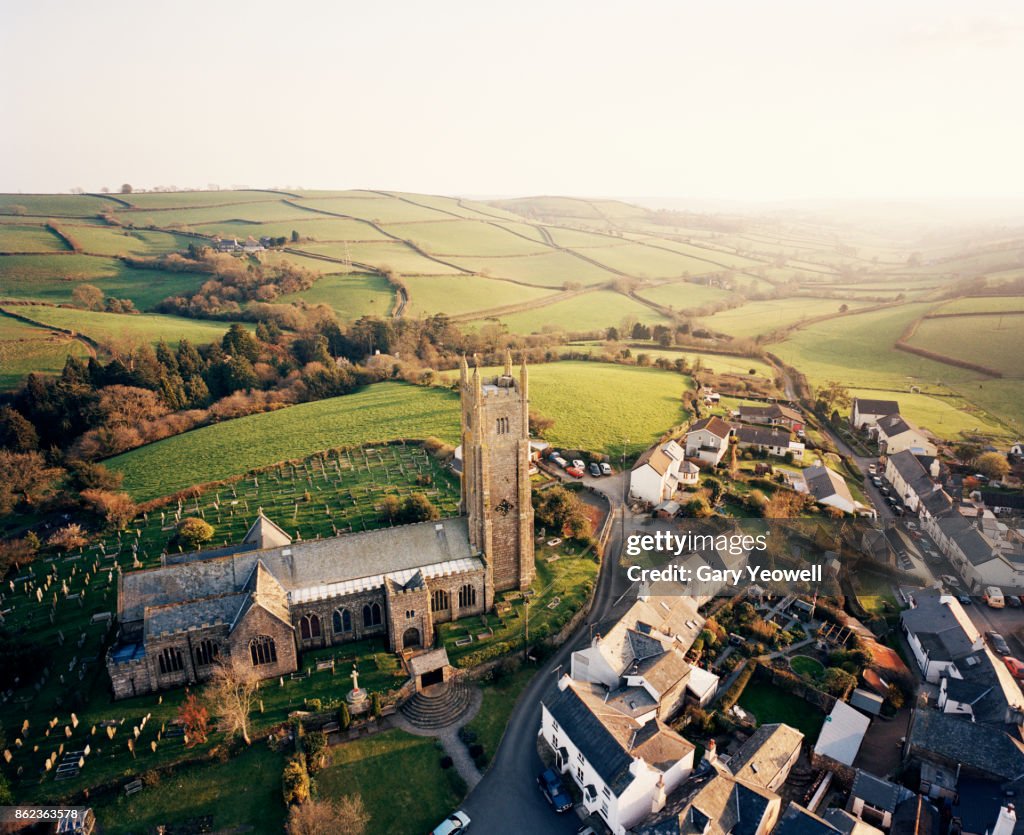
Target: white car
column 455, row 822
column 950, row 580
column 606, row 468
column 578, row 464
column 872, row 468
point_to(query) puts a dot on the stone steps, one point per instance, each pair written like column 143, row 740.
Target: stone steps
column 440, row 707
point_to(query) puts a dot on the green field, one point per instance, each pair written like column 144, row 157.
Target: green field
column 391, row 254
column 399, row 778
column 458, row 295
column 552, row 269
column 24, row 348
column 983, row 304
column 110, row 328
column 350, row 295
column 757, row 318
column 54, row 204
column 683, row 295
column 26, row 238
column 107, row 240
column 465, row 237
column 594, row 311
column 52, row 278
column 993, row 341
column 714, row 363
column 309, row 226
column 378, row 413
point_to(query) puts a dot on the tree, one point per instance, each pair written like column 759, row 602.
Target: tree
column 838, row 682
column 967, row 452
column 418, row 508
column 16, row 552
column 834, row 395
column 562, row 511
column 87, row 296
column 16, row 433
column 539, row 424
column 129, row 405
column 116, row 509
column 326, row 817
column 240, row 343
column 698, row 508
column 67, row 538
column 993, row 465
column 90, row 475
column 126, row 188
column 231, row 695
column 195, row 718
column 25, row 476
column 193, row 532
column 295, row 781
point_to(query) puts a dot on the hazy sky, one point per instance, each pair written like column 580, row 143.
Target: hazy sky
column 747, row 100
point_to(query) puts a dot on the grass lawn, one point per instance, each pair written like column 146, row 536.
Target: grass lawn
column 499, row 700
column 350, row 295
column 385, row 254
column 756, row 318
column 875, row 594
column 245, row 791
column 771, row 704
column 399, row 779
column 378, row 413
column 804, row 665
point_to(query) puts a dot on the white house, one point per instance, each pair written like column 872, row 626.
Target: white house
column 909, row 478
column 866, row 412
column 940, row 634
column 896, row 434
column 656, row 474
column 707, row 440
column 829, row 488
column 774, row 441
column 624, row 759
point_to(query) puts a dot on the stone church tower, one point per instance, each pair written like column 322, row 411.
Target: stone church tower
column 496, row 477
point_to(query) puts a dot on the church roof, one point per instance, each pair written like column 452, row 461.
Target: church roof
column 265, row 534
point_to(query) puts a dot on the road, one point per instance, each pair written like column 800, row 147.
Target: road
column 507, row 799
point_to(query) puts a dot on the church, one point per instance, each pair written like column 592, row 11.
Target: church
column 260, row 603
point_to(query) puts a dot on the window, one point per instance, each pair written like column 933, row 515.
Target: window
column 171, row 661
column 554, row 724
column 502, row 428
column 372, row 615
column 579, row 774
column 467, row 596
column 206, row 652
column 263, row 650
column 604, row 810
column 440, row 601
column 342, row 620
column 579, row 756
column 410, row 614
column 606, row 791
column 309, row 627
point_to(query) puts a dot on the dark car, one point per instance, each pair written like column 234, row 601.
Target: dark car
column 998, row 643
column 965, row 600
column 1012, row 601
column 554, row 791
column 595, row 469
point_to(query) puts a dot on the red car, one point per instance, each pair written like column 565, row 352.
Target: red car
column 1014, row 666
column 575, row 472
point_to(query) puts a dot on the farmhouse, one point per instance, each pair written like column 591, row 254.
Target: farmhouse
column 896, row 434
column 260, row 603
column 773, row 415
column 624, row 759
column 707, row 440
column 656, row 474
column 866, row 412
column 773, row 441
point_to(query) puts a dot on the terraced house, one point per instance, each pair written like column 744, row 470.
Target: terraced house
column 260, row 603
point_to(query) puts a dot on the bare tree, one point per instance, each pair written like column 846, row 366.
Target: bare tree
column 232, row 696
column 325, row 817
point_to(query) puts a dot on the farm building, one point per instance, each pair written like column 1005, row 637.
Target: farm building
column 260, row 603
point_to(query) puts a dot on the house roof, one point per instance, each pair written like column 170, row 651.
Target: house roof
column 665, row 670
column 867, row 406
column 768, row 750
column 848, row 824
column 797, row 820
column 715, row 425
column 763, row 436
column 660, row 457
column 937, row 503
column 912, row 472
column 264, row 533
column 648, row 628
column 976, row 547
column 774, row 411
column 823, row 483
column 957, row 740
column 608, row 738
column 941, row 625
column 426, row 662
column 842, row 734
column 890, row 426
column 915, row 816
column 876, row 792
column 992, row 498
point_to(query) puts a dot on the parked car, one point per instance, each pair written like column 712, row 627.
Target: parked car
column 595, row 470
column 950, row 580
column 575, row 472
column 606, row 468
column 1012, row 601
column 965, row 600
column 554, row 455
column 998, row 643
column 455, row 822
column 898, row 509
column 553, row 790
column 1015, row 666
column 1021, row 598
column 872, row 468
column 561, row 462
column 876, row 481
column 578, row 464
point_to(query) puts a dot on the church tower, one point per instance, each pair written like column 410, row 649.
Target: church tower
column 496, row 474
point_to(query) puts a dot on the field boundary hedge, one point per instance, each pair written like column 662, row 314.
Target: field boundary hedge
column 901, row 344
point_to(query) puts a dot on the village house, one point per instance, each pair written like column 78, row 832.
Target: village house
column 874, row 800
column 768, row 756
column 260, row 603
column 707, row 440
column 895, row 433
column 773, row 441
column 940, row 634
column 797, row 820
column 909, row 478
column 865, row 412
column 774, row 414
column 829, row 488
column 622, row 757
column 658, row 473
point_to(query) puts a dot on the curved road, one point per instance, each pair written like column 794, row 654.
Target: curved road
column 507, row 800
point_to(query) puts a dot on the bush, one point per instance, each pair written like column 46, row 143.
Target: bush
column 466, row 735
column 481, row 761
column 446, row 763
column 314, row 744
column 295, row 781
column 314, row 705
column 475, row 750
column 732, row 695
